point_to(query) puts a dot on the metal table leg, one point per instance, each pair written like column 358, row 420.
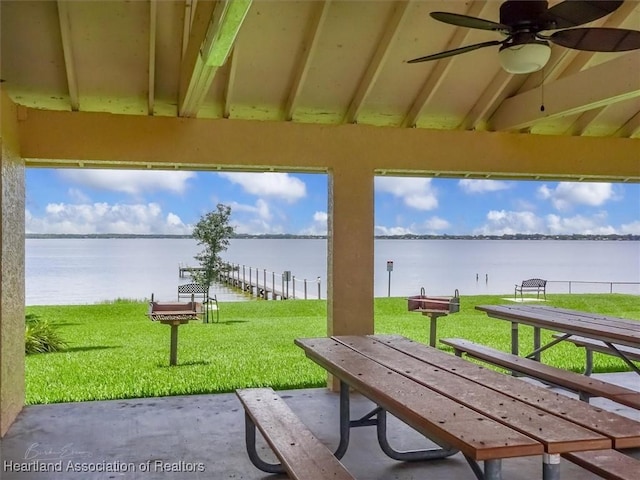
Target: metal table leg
column 493, row 469
column 515, row 348
column 378, row 417
column 551, row 466
column 536, row 343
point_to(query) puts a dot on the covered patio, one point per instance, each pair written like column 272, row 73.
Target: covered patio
column 313, row 86
column 202, row 436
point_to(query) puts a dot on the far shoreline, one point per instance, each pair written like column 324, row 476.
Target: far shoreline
column 286, row 236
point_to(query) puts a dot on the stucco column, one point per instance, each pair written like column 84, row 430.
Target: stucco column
column 350, row 256
column 12, row 203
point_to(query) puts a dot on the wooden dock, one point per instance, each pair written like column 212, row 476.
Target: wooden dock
column 184, row 270
column 269, row 285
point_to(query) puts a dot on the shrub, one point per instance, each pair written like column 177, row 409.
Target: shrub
column 41, row 337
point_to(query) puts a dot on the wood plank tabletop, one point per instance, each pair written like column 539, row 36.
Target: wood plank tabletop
column 555, row 433
column 587, row 316
column 624, row 432
column 429, row 412
column 623, row 326
column 613, row 329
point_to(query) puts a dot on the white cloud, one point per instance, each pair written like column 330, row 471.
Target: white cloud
column 482, row 186
column 255, row 219
column 105, row 218
column 502, row 222
column 431, row 226
column 320, row 217
column 436, row 224
column 269, row 184
column 319, row 225
column 632, row 228
column 382, row 230
column 415, row 192
column 594, row 225
column 260, row 209
column 568, row 194
column 524, row 204
column 132, row 182
column 78, row 196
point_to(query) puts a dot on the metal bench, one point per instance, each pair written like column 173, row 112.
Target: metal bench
column 591, row 346
column 586, row 387
column 193, row 291
column 609, row 464
column 302, row 456
column 536, row 285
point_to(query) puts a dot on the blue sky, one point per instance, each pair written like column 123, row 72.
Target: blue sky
column 171, row 202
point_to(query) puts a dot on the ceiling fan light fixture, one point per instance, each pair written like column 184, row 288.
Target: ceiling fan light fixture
column 524, row 57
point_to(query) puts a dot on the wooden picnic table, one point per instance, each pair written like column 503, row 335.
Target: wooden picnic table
column 486, row 415
column 610, row 330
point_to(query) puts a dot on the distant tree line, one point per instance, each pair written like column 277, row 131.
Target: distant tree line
column 409, row 236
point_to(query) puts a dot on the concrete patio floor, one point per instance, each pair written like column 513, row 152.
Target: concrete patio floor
column 202, row 437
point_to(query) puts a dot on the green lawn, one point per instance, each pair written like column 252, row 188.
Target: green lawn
column 114, row 351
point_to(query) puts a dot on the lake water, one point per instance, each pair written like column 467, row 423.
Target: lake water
column 77, row 271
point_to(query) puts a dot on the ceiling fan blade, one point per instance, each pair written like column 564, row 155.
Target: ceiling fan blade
column 456, row 51
column 572, row 13
column 469, row 22
column 597, row 39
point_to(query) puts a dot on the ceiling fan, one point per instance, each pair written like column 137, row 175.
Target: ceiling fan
column 525, row 49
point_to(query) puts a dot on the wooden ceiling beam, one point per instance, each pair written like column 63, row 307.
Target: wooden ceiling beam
column 437, row 77
column 189, row 11
column 195, row 75
column 501, row 86
column 105, row 140
column 598, row 86
column 231, row 82
column 213, row 31
column 630, row 129
column 581, row 60
column 153, row 21
column 580, row 126
column 310, row 47
column 565, row 62
column 67, row 49
column 400, row 13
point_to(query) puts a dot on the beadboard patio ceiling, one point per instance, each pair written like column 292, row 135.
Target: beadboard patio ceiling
column 328, row 62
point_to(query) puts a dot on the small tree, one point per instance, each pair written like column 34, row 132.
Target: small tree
column 213, row 232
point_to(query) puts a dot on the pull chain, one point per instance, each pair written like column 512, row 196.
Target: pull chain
column 542, row 91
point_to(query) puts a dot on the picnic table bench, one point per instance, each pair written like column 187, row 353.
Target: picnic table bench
column 590, row 345
column 584, row 386
column 536, row 285
column 302, row 456
column 609, row 464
